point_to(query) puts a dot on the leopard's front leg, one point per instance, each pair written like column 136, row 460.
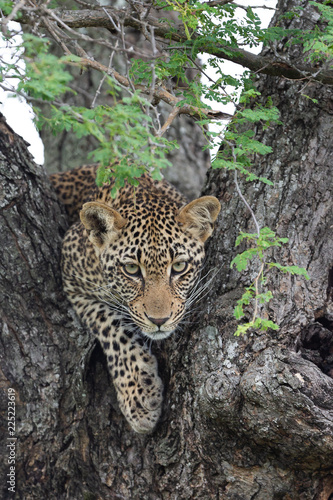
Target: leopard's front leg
column 132, row 367
column 135, row 376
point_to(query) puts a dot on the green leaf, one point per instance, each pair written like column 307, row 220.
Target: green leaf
column 238, row 311
column 259, row 324
column 242, row 260
column 301, row 271
column 6, row 7
column 242, row 329
column 100, row 176
column 264, row 297
column 248, row 236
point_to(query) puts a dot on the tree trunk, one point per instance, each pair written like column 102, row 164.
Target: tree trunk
column 268, row 397
column 243, row 418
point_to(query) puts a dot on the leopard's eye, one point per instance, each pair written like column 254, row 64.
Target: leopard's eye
column 179, row 267
column 132, row 269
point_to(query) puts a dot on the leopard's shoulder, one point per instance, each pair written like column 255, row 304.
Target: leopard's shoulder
column 74, row 188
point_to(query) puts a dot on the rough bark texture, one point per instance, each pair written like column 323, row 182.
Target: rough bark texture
column 270, row 395
column 244, row 418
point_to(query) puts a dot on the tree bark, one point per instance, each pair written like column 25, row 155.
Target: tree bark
column 243, row 418
column 270, row 395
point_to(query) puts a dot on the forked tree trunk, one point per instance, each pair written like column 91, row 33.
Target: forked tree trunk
column 244, row 418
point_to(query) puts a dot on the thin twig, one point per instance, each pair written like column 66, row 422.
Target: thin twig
column 148, row 11
column 246, row 203
column 28, row 98
column 152, row 65
column 174, row 113
column 52, row 30
column 99, row 41
column 257, row 292
column 238, row 188
column 117, row 28
column 127, row 63
column 160, row 92
column 265, row 7
column 240, row 194
column 221, row 3
column 98, row 91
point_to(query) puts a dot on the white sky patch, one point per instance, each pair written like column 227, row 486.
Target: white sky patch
column 18, row 112
column 233, row 69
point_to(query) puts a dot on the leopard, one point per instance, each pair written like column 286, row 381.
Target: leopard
column 129, row 264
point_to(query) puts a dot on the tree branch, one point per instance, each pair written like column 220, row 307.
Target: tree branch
column 174, row 113
column 102, row 18
column 160, row 93
column 269, row 66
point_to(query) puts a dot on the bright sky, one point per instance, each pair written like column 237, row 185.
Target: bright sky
column 236, row 69
column 19, row 114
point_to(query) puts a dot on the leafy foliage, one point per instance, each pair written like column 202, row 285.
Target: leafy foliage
column 262, row 243
column 124, row 137
column 6, row 7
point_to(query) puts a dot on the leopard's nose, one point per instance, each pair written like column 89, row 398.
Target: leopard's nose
column 158, row 321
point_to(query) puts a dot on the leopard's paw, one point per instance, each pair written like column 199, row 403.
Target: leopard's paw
column 141, row 402
column 138, row 386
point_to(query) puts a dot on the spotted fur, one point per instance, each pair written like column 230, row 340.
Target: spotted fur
column 128, row 268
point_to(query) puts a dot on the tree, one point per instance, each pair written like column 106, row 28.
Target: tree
column 244, row 417
column 62, row 151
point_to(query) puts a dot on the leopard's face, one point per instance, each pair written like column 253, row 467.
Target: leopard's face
column 152, row 270
column 150, row 257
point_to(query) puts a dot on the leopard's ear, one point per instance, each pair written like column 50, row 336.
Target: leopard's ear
column 101, row 222
column 199, row 216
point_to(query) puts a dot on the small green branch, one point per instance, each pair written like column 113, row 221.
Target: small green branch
column 255, row 312
column 266, row 240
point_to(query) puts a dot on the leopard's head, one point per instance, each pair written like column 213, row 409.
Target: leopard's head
column 150, row 257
